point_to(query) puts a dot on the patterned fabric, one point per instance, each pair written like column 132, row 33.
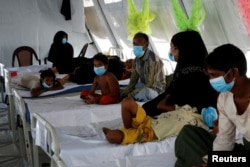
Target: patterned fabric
column 145, row 129
column 149, row 71
column 170, row 123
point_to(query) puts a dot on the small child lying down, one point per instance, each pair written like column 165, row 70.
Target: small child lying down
column 37, row 86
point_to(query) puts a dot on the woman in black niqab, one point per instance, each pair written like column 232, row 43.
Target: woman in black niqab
column 61, row 53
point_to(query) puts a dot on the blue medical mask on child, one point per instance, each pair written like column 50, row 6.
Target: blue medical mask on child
column 138, row 51
column 209, row 115
column 171, row 56
column 64, row 40
column 220, row 85
column 46, row 86
column 99, row 70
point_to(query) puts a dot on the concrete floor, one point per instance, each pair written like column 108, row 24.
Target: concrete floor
column 9, row 150
column 10, row 155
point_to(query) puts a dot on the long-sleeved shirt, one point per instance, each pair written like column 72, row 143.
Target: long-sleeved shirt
column 149, row 70
column 229, row 121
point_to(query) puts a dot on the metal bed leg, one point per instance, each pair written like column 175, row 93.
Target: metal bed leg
column 35, row 154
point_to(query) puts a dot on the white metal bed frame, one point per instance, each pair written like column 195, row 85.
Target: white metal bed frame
column 23, row 126
column 11, row 108
column 25, row 129
column 52, row 143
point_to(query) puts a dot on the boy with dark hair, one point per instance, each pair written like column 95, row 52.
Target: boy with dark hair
column 105, row 80
column 47, row 82
column 101, row 57
column 227, row 67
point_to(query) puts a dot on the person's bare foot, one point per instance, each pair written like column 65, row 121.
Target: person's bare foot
column 105, row 130
column 113, row 136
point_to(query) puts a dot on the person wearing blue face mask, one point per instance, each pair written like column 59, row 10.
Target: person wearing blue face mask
column 61, row 54
column 227, row 67
column 220, row 85
column 171, row 56
column 190, row 84
column 47, row 82
column 105, row 80
column 147, row 79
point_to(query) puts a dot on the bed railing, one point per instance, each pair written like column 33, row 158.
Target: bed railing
column 45, row 137
column 22, row 125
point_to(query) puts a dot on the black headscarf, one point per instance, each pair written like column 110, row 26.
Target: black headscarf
column 190, row 84
column 61, row 55
column 192, row 50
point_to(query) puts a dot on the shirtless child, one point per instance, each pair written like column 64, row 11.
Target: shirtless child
column 105, row 81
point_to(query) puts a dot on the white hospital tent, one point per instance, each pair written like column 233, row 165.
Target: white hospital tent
column 34, row 23
column 103, row 24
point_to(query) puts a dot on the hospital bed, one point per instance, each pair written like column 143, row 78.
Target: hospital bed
column 69, row 132
column 74, row 143
column 74, row 138
column 69, row 87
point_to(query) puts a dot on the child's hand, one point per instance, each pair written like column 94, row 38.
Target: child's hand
column 216, row 128
column 61, row 81
column 57, row 86
column 90, row 99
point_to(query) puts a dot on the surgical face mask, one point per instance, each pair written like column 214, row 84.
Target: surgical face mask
column 64, row 40
column 46, row 86
column 171, row 56
column 138, row 51
column 99, row 70
column 220, row 85
column 209, row 115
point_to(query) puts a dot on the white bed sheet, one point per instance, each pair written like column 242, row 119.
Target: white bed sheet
column 69, row 87
column 75, row 151
column 82, row 142
column 72, row 110
column 156, row 160
column 79, row 128
column 85, row 145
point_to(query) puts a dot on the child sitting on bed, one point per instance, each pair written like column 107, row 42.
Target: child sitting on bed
column 105, row 80
column 139, row 127
column 47, row 82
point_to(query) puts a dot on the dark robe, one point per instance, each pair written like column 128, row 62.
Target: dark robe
column 61, row 55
